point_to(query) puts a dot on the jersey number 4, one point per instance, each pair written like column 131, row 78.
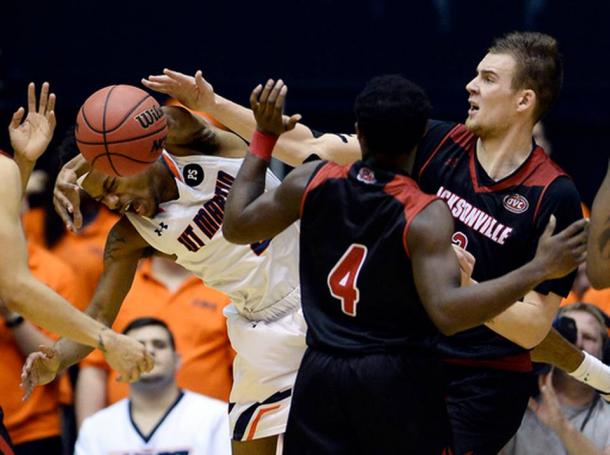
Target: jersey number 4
column 342, row 279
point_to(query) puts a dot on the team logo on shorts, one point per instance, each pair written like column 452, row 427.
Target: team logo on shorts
column 365, row 175
column 515, row 203
column 193, row 174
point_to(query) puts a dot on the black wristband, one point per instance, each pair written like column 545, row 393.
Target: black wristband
column 14, row 322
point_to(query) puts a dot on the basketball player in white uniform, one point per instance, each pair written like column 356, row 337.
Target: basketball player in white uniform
column 176, row 207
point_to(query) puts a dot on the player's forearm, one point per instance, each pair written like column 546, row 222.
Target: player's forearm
column 291, row 148
column 598, row 245
column 29, row 338
column 25, row 170
column 471, row 306
column 45, row 308
column 239, row 222
column 524, row 323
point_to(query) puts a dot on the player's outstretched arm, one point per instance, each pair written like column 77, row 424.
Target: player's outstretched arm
column 124, row 248
column 293, row 148
column 251, row 214
column 598, row 249
column 437, row 277
column 31, row 137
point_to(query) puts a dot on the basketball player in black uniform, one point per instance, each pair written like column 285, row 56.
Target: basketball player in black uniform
column 598, row 250
column 378, row 273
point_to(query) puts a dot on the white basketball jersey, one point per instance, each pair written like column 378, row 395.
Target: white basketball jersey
column 194, row 425
column 190, row 227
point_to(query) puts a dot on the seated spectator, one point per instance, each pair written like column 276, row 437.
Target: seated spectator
column 158, row 416
column 568, row 417
column 34, row 425
column 193, row 312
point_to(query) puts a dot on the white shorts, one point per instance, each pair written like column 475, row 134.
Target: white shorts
column 269, row 354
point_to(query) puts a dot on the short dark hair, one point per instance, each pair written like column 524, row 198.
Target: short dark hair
column 539, row 65
column 594, row 311
column 150, row 321
column 392, row 113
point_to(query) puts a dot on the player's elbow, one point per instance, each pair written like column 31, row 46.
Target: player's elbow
column 446, row 323
column 234, row 234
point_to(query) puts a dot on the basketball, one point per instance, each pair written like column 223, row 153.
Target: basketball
column 120, row 130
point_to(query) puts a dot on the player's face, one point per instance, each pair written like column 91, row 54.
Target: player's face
column 133, row 194
column 493, row 101
column 589, row 332
column 186, row 129
column 158, row 344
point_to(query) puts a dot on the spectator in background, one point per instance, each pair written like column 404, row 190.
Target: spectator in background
column 34, row 425
column 158, row 417
column 193, row 312
column 568, row 417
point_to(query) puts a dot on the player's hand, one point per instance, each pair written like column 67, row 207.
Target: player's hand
column 31, row 137
column 466, row 261
column 126, row 355
column 66, row 199
column 561, row 253
column 40, row 368
column 547, row 410
column 194, row 92
column 267, row 104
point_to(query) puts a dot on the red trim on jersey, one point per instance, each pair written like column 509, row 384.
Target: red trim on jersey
column 328, row 171
column 434, row 152
column 5, row 448
column 172, row 166
column 405, row 190
column 259, row 414
column 518, row 362
column 537, row 170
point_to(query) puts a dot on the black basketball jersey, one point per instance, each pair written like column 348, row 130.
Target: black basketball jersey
column 357, row 287
column 499, row 222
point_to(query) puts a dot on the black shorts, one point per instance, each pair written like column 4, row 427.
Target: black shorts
column 485, row 407
column 377, row 403
column 6, row 446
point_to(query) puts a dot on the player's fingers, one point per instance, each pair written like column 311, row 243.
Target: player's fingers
column 51, row 103
column 575, row 228
column 200, row 80
column 275, row 93
column 27, row 387
column 17, row 118
column 550, row 226
column 254, row 97
column 266, row 89
column 46, row 350
column 156, row 86
column 31, row 97
column 44, row 98
column 51, row 119
column 292, row 121
column 176, row 76
column 281, row 98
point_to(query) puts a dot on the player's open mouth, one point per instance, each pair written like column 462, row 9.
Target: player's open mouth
column 474, row 107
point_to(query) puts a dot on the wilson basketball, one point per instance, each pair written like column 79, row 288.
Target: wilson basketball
column 120, row 130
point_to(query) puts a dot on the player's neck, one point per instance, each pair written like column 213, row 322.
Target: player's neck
column 163, row 179
column 148, row 409
column 152, row 399
column 500, row 155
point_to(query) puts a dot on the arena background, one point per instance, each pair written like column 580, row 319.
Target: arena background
column 324, row 49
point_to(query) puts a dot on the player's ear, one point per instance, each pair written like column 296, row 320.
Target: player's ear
column 177, row 360
column 527, row 100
